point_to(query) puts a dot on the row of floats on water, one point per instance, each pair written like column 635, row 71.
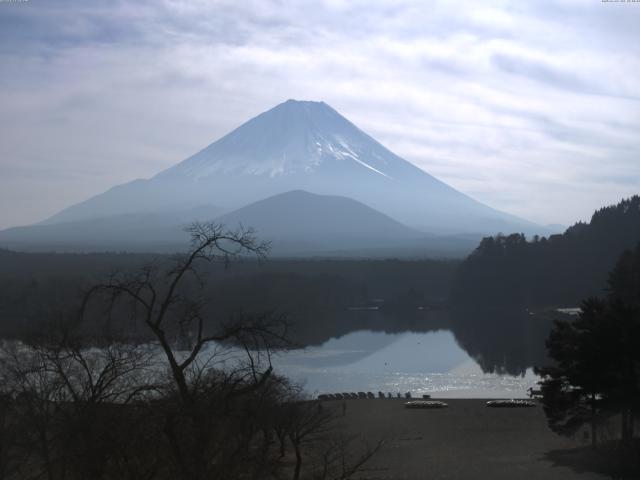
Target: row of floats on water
column 363, row 395
column 425, row 403
column 491, row 404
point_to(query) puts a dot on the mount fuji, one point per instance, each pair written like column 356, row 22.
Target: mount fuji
column 297, row 145
column 301, row 145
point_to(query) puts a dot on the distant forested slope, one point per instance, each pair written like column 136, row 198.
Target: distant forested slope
column 315, row 294
column 556, row 271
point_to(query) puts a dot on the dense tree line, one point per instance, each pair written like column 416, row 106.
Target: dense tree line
column 596, row 370
column 314, row 294
column 505, row 293
column 557, row 271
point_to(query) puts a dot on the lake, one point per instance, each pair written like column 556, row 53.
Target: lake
column 422, row 363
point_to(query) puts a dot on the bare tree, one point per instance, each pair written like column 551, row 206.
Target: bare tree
column 66, row 398
column 172, row 304
column 199, row 401
column 157, row 298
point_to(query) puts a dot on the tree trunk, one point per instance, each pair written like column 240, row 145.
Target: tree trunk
column 296, row 446
column 281, row 440
column 593, row 421
column 176, row 448
column 176, row 371
column 47, row 455
column 625, row 427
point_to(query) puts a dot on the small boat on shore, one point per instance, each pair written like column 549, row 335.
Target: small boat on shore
column 510, row 403
column 425, row 404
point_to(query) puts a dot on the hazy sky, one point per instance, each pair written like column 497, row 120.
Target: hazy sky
column 531, row 107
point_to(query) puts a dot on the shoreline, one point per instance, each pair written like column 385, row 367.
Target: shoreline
column 464, row 440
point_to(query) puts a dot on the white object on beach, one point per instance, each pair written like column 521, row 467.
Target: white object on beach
column 510, row 403
column 425, row 404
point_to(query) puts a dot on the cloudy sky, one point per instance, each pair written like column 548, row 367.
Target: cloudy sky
column 530, row 107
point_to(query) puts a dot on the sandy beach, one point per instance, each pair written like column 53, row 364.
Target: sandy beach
column 467, row 440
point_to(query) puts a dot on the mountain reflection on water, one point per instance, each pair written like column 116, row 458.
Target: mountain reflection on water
column 444, row 354
column 422, row 363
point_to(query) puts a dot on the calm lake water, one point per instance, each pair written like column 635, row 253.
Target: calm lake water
column 422, row 363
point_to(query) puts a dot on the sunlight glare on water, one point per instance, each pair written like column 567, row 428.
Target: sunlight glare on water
column 420, row 363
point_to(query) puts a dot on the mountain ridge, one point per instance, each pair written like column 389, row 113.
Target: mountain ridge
column 300, row 214
column 307, row 146
column 297, row 223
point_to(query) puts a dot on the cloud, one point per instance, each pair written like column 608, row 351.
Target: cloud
column 529, row 107
column 538, row 71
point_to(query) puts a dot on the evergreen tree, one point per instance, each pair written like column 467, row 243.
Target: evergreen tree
column 597, row 358
column 574, row 387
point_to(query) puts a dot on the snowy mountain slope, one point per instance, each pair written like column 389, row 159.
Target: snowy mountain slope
column 303, row 146
column 291, row 139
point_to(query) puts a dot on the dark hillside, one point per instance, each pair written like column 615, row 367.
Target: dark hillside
column 557, row 271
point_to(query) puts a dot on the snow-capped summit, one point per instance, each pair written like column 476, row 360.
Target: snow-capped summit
column 301, row 145
column 291, row 138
